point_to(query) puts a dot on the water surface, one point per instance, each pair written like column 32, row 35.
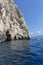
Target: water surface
column 23, row 52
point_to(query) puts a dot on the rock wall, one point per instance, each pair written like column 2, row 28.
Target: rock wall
column 12, row 23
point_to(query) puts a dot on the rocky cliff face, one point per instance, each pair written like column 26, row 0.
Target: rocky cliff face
column 12, row 24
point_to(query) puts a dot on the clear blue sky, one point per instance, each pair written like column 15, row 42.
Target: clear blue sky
column 33, row 14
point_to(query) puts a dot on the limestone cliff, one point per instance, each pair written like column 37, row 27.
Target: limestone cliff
column 12, row 24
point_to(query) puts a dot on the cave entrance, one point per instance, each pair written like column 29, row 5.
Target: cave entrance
column 8, row 35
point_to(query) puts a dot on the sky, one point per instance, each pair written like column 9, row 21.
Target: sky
column 33, row 14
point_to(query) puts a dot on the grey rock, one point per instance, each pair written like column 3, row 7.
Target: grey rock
column 12, row 23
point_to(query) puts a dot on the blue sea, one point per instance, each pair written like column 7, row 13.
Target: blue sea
column 22, row 52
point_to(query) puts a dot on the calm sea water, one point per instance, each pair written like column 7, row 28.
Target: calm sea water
column 23, row 52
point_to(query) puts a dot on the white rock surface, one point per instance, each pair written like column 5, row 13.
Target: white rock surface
column 12, row 22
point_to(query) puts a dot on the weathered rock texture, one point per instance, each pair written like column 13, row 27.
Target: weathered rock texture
column 12, row 24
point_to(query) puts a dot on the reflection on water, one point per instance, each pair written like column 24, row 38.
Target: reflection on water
column 19, row 45
column 23, row 52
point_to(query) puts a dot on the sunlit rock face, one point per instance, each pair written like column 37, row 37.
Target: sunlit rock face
column 12, row 24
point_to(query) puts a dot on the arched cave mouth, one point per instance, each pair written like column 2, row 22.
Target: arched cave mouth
column 8, row 35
